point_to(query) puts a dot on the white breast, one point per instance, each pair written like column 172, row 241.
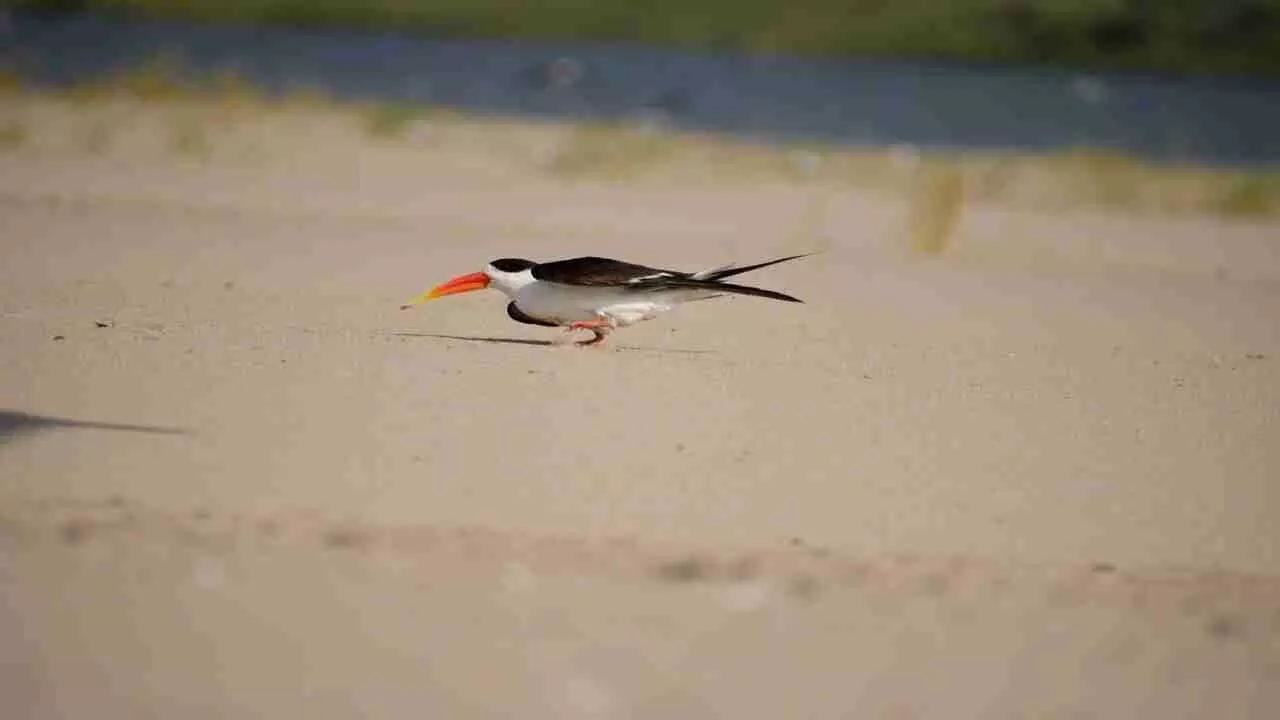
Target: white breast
column 566, row 304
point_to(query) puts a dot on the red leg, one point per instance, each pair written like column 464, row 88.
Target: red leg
column 600, row 328
column 599, row 338
column 590, row 324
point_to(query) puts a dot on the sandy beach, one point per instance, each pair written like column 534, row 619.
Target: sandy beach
column 1032, row 474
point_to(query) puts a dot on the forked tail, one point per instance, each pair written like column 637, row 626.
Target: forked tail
column 712, row 280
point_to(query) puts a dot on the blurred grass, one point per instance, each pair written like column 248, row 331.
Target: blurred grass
column 97, row 136
column 609, row 151
column 937, row 199
column 392, row 120
column 189, row 137
column 1251, row 196
column 158, row 79
column 1238, row 36
column 12, row 134
column 10, row 80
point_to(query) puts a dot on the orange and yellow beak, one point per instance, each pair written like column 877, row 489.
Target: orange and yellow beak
column 460, row 284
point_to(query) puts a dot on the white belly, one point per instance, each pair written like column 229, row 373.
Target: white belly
column 566, row 304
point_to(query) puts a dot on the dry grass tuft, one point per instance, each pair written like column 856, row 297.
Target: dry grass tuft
column 937, row 200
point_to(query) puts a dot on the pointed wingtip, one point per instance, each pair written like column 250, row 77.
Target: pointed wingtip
column 731, row 271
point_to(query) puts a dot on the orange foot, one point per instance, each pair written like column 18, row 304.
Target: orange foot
column 595, row 326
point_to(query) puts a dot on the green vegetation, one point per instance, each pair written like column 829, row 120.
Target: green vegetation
column 392, row 120
column 1169, row 35
column 159, row 79
column 10, row 80
column 1251, row 196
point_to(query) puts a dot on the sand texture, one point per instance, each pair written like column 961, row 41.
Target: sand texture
column 1035, row 473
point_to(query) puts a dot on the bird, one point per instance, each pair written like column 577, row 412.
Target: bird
column 596, row 293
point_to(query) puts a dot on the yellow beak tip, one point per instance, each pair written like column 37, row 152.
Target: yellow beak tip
column 417, row 301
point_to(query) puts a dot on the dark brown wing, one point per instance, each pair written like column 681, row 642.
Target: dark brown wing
column 597, row 271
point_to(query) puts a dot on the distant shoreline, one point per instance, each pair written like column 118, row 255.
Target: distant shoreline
column 195, row 122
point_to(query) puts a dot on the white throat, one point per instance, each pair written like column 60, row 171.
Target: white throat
column 509, row 282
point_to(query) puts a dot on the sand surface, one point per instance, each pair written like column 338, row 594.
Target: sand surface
column 1035, row 475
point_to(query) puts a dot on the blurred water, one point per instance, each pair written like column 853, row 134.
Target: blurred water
column 880, row 103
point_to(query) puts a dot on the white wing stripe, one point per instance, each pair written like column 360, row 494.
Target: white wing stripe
column 654, row 276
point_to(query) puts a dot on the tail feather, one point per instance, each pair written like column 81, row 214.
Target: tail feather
column 722, row 287
column 710, row 272
column 730, row 271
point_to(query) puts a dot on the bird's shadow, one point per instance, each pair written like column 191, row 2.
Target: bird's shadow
column 477, row 338
column 537, row 343
column 14, row 423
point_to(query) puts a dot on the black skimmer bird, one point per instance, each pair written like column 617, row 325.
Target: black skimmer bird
column 597, row 294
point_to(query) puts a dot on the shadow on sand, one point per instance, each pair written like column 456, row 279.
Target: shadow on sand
column 478, row 339
column 541, row 343
column 14, row 423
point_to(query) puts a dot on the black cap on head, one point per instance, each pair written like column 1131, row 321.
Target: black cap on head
column 512, row 264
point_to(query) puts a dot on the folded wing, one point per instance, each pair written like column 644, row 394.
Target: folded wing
column 596, row 272
column 604, row 272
